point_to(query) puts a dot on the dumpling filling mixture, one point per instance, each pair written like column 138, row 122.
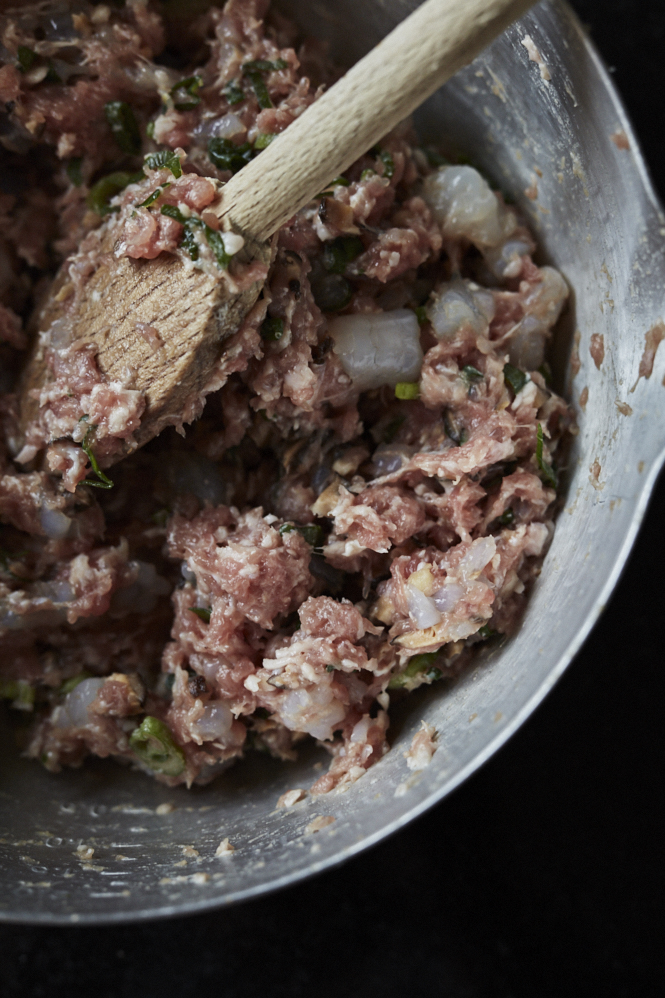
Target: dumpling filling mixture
column 368, row 491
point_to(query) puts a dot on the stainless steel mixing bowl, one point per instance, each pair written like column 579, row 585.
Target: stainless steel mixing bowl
column 598, row 220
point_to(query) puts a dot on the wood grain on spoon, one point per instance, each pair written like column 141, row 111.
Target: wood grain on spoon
column 194, row 311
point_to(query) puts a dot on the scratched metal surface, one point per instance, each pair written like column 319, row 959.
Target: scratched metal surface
column 598, row 220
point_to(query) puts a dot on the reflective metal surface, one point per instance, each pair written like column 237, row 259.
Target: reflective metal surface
column 598, row 220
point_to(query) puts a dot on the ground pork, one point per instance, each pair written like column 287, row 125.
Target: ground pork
column 309, row 547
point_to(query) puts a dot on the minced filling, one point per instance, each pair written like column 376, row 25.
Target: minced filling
column 367, row 491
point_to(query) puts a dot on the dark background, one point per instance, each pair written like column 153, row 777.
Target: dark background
column 542, row 876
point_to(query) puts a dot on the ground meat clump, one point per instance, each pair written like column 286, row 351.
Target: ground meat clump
column 366, row 494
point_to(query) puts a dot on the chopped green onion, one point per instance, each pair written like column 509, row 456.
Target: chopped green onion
column 506, row 518
column 421, row 314
column 100, row 194
column 471, row 374
column 151, row 198
column 201, row 613
column 215, row 241
column 546, row 469
column 515, row 378
column 153, row 743
column 418, row 665
column 73, row 171
column 407, row 390
column 123, row 126
column 234, row 94
column 26, row 58
column 104, row 482
column 72, row 683
column 227, row 156
column 312, row 533
column 164, row 159
column 388, row 163
column 272, row 328
column 286, row 528
column 150, row 129
column 330, row 668
column 173, row 212
column 339, row 253
column 486, row 632
column 259, row 86
column 263, row 140
column 367, row 173
column 189, row 243
column 185, row 94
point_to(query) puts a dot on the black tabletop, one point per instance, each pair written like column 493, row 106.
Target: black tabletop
column 541, row 876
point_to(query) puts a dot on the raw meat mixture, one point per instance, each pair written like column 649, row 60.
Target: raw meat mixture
column 368, row 493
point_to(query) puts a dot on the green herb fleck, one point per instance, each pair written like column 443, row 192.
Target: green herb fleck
column 151, row 198
column 100, row 194
column 263, row 141
column 366, row 174
column 164, row 159
column 388, row 163
column 407, row 390
column 201, row 613
column 227, row 156
column 506, row 518
column 186, row 93
column 153, row 743
column 486, row 632
column 150, row 129
column 418, row 665
column 339, row 253
column 215, row 241
column 173, row 212
column 234, row 94
column 26, row 58
column 421, row 314
column 471, row 374
column 286, row 528
column 272, row 328
column 515, row 378
column 330, row 668
column 103, row 481
column 546, row 469
column 123, row 126
column 254, row 72
column 264, row 66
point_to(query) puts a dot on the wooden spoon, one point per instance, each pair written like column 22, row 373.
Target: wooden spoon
column 194, row 312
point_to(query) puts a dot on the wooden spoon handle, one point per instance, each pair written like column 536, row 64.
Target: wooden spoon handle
column 403, row 70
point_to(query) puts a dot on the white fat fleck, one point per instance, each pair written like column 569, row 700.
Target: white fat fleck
column 233, row 243
column 96, row 296
column 252, row 684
